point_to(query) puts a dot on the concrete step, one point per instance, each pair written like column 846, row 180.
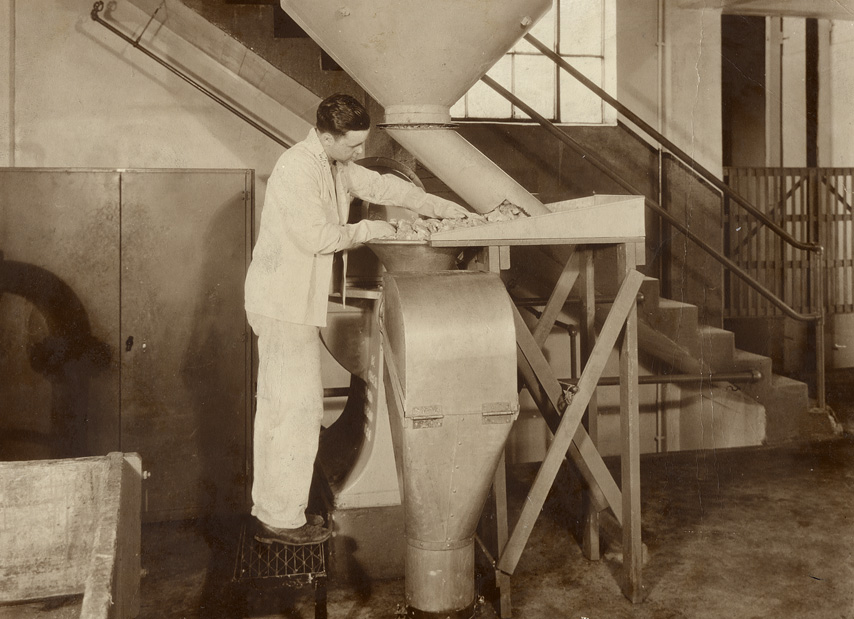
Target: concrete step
column 651, row 291
column 717, row 347
column 676, row 320
column 743, row 361
column 785, row 405
column 781, row 403
column 717, row 418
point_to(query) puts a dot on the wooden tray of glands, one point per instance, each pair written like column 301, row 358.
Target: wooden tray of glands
column 600, row 219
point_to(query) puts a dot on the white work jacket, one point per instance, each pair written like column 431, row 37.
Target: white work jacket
column 303, row 222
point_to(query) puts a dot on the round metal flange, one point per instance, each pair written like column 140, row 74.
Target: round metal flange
column 462, row 613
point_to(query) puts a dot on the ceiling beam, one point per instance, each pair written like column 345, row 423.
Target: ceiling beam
column 823, row 9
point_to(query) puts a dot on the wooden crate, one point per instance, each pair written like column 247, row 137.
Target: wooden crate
column 72, row 527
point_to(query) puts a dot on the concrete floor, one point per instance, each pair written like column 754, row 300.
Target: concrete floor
column 748, row 533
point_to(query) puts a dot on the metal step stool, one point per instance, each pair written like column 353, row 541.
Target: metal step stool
column 260, row 565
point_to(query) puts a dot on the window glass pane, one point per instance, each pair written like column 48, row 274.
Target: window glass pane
column 534, row 81
column 581, row 27
column 544, row 30
column 577, row 103
column 483, row 102
column 458, row 109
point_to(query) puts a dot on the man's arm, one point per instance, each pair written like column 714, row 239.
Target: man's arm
column 305, row 214
column 388, row 189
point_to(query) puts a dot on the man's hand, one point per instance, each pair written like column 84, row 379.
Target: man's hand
column 380, row 229
column 445, row 209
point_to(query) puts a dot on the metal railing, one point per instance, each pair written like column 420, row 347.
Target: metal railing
column 814, row 203
column 815, row 314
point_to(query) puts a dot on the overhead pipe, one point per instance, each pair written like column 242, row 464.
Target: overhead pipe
column 95, row 14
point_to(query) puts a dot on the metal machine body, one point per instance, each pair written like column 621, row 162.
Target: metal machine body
column 450, row 376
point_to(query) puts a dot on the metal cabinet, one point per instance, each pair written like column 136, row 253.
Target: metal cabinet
column 154, row 260
column 59, row 313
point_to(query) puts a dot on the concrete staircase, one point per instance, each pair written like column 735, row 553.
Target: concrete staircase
column 706, row 411
column 670, row 332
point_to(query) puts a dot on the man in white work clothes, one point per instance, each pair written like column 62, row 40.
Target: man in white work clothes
column 303, row 223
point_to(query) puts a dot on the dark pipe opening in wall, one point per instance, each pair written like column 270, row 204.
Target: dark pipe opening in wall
column 67, row 357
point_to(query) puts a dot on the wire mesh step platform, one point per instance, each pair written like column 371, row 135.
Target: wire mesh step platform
column 261, row 565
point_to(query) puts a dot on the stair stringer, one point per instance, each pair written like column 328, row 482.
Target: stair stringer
column 248, row 82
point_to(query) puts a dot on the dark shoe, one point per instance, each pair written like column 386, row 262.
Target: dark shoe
column 304, row 535
column 315, row 519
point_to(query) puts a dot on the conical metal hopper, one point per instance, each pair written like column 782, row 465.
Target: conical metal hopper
column 417, row 59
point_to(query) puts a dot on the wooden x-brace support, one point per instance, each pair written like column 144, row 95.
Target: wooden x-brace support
column 564, row 419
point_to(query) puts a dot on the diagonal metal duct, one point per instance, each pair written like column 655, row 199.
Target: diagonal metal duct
column 417, row 59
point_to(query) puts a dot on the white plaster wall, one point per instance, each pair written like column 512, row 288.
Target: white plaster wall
column 794, row 99
column 690, row 86
column 6, row 55
column 840, row 89
column 692, row 83
column 637, row 60
column 85, row 98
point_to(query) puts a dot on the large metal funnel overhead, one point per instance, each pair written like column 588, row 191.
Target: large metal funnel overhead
column 417, row 59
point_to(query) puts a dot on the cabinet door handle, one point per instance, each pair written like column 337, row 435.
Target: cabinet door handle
column 129, row 343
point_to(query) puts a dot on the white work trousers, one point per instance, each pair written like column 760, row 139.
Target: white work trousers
column 287, row 419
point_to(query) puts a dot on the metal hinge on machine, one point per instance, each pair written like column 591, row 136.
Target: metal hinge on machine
column 427, row 417
column 498, row 412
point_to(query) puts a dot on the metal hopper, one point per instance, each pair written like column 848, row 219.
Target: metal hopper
column 417, row 59
column 450, row 363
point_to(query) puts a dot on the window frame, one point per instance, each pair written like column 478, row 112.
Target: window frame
column 607, row 116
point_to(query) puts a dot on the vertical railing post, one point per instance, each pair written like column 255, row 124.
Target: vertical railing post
column 821, row 304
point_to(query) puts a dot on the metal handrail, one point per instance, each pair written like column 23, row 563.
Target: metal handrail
column 754, row 230
column 650, row 203
column 95, row 15
column 692, row 163
column 818, row 318
column 822, row 178
column 698, row 169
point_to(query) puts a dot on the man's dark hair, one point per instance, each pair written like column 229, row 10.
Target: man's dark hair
column 339, row 114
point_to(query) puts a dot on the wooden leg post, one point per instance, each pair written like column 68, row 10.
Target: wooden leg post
column 590, row 539
column 502, row 580
column 630, row 444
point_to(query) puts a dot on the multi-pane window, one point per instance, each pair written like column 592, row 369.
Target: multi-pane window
column 580, row 31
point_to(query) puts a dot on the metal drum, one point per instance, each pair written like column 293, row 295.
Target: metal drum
column 450, row 375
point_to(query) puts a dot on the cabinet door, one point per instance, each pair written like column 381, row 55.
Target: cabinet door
column 59, row 313
column 185, row 242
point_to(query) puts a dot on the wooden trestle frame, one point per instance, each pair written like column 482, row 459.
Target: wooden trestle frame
column 563, row 413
